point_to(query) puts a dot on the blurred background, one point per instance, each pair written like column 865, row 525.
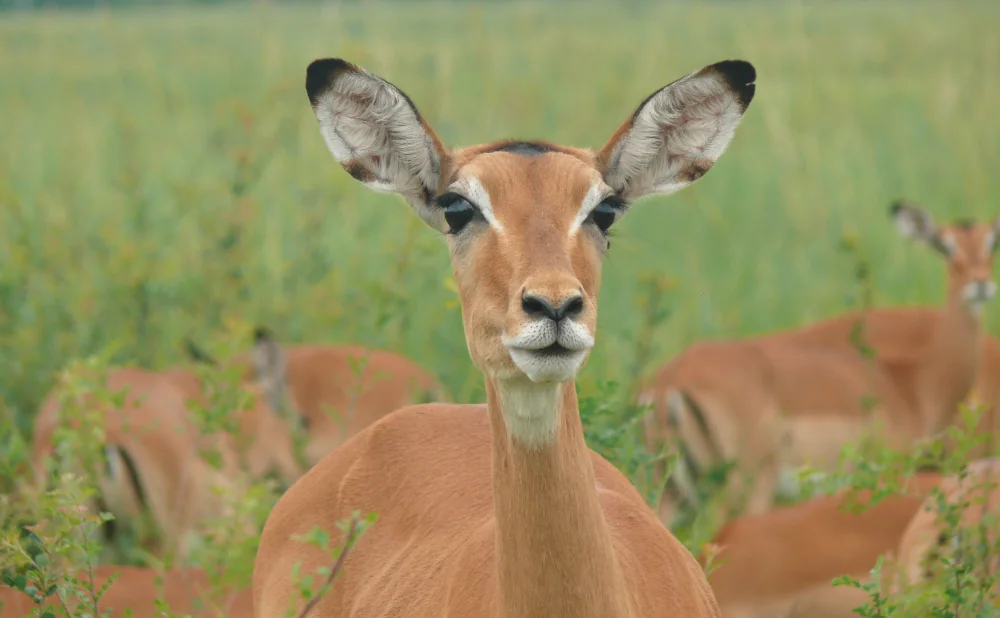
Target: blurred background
column 162, row 173
column 163, row 180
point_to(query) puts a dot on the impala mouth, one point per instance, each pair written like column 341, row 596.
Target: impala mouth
column 554, row 350
column 549, row 351
column 553, row 363
column 979, row 292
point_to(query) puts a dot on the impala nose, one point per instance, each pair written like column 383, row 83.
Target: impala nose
column 981, row 290
column 536, row 305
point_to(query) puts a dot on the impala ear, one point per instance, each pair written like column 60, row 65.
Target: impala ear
column 996, row 233
column 679, row 132
column 917, row 224
column 270, row 368
column 376, row 133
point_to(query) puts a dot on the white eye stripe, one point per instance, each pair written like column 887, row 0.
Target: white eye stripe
column 597, row 193
column 475, row 192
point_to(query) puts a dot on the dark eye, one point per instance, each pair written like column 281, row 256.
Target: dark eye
column 604, row 215
column 458, row 211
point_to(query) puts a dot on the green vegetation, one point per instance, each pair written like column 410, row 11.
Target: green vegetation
column 162, row 177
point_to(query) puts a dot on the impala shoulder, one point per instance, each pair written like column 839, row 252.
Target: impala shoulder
column 411, row 429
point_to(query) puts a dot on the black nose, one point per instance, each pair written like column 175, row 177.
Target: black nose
column 536, row 305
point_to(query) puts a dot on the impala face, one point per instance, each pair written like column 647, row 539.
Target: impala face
column 968, row 246
column 528, row 227
column 527, row 222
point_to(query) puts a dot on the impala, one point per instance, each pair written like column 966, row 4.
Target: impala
column 337, row 390
column 925, row 541
column 501, row 509
column 153, row 449
column 787, row 399
column 769, row 562
column 137, row 589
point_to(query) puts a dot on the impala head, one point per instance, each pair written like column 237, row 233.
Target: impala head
column 273, row 415
column 963, row 519
column 967, row 245
column 266, row 373
column 527, row 222
column 271, row 447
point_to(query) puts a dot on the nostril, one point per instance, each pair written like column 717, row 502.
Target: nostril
column 539, row 306
column 572, row 307
column 536, row 305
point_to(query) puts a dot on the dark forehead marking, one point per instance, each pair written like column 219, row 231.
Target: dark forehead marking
column 964, row 223
column 510, row 146
column 523, row 148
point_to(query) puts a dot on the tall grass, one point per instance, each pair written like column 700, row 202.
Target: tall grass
column 161, row 171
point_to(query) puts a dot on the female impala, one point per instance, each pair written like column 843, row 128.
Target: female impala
column 337, row 390
column 974, row 497
column 924, row 543
column 502, row 510
column 153, row 449
column 796, row 397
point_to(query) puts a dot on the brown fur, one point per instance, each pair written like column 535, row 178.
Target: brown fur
column 501, row 510
column 337, row 402
column 895, row 332
column 770, row 561
column 796, row 396
column 185, row 591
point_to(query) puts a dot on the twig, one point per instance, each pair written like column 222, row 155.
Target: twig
column 333, row 572
column 93, row 594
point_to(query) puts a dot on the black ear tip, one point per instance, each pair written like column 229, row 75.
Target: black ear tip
column 895, row 207
column 738, row 72
column 320, row 75
column 740, row 75
column 261, row 334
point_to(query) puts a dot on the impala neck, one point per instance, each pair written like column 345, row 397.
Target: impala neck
column 949, row 372
column 554, row 551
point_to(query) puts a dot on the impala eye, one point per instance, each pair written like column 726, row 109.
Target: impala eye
column 605, row 214
column 458, row 211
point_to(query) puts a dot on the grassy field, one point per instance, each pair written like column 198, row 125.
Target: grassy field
column 161, row 173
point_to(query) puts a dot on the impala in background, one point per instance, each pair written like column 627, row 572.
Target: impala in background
column 775, row 402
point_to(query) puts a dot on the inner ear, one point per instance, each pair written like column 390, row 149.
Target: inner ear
column 679, row 132
column 917, row 223
column 376, row 133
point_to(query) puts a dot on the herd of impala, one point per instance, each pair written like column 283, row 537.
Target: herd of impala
column 500, row 509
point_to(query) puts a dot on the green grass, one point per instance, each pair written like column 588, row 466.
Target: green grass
column 161, row 171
